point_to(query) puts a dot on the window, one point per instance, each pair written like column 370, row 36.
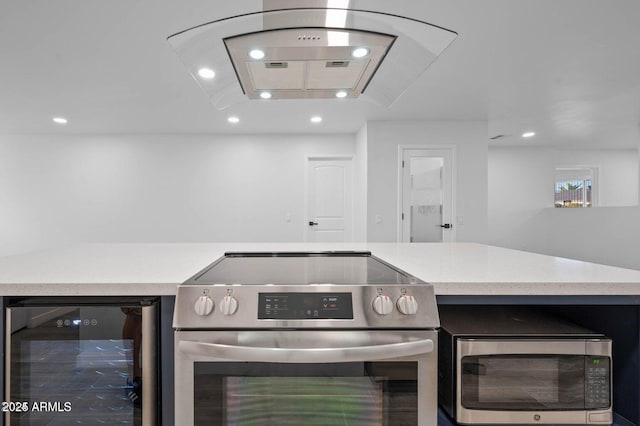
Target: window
column 575, row 187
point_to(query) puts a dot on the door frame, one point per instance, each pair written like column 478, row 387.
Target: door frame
column 453, row 149
column 348, row 223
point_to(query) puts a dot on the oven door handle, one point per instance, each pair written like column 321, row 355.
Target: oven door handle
column 306, row 355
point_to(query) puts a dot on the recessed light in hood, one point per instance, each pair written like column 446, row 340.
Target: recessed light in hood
column 256, row 54
column 360, row 52
column 306, row 59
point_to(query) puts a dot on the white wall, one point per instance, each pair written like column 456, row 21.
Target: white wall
column 521, row 213
column 520, row 186
column 608, row 235
column 360, row 186
column 57, row 190
column 470, row 138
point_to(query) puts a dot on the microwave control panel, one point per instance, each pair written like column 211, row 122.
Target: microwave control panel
column 597, row 380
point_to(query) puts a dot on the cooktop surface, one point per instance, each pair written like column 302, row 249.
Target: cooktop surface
column 348, row 268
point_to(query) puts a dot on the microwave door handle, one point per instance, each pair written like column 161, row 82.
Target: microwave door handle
column 306, row 355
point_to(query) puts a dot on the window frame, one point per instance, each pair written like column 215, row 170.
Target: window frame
column 578, row 173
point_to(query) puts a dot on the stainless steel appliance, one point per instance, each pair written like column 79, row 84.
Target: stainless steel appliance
column 81, row 360
column 520, row 366
column 305, row 338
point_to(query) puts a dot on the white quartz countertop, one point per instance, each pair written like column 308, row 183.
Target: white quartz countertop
column 453, row 269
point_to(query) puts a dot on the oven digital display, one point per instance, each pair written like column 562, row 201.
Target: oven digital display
column 302, row 306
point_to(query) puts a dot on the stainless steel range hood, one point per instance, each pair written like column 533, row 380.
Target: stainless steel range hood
column 309, row 53
column 302, row 63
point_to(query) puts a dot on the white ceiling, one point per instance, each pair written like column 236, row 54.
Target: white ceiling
column 567, row 69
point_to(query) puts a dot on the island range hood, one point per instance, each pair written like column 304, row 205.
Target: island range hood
column 307, row 62
column 309, row 53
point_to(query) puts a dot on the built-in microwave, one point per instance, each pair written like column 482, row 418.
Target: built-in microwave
column 521, row 366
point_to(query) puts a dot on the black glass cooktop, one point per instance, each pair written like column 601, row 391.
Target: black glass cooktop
column 349, row 268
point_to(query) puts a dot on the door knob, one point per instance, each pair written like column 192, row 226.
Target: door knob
column 446, row 226
column 312, row 223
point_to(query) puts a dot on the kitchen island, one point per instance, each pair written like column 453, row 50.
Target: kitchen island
column 603, row 298
column 455, row 269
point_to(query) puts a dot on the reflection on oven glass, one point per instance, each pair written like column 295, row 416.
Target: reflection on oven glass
column 268, row 394
column 352, row 401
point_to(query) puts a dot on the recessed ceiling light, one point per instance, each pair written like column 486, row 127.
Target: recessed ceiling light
column 206, row 73
column 256, row 54
column 316, row 119
column 528, row 134
column 265, row 95
column 60, row 120
column 360, row 52
column 341, row 94
column 233, row 119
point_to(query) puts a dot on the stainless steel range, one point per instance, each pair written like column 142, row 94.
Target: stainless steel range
column 337, row 338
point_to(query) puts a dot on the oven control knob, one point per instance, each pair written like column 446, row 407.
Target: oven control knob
column 382, row 304
column 204, row 305
column 228, row 305
column 407, row 304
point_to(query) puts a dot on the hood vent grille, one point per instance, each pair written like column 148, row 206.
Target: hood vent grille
column 337, row 64
column 276, row 65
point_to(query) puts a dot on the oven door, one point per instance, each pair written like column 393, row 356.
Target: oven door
column 309, row 377
column 524, row 381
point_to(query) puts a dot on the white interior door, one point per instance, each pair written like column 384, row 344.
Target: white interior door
column 427, row 196
column 329, row 200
